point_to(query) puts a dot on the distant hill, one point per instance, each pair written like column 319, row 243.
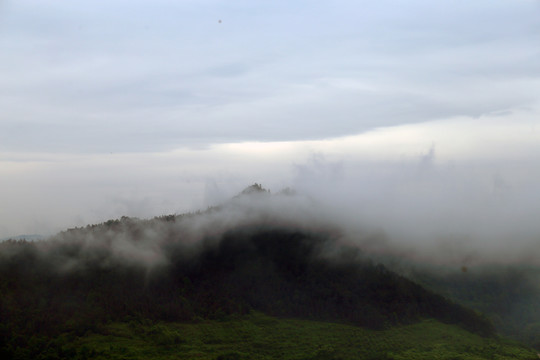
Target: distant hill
column 32, row 237
column 509, row 294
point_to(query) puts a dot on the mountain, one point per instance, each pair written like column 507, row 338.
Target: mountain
column 266, row 254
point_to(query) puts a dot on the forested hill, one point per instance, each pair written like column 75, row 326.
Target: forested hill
column 250, row 254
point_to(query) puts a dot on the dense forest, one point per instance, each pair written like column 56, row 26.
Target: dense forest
column 209, row 265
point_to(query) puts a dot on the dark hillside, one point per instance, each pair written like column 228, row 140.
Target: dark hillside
column 184, row 268
column 280, row 272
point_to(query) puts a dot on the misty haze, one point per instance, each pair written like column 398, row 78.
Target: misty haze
column 300, row 180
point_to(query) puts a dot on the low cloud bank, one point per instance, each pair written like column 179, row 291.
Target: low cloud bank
column 432, row 210
column 459, row 190
column 448, row 224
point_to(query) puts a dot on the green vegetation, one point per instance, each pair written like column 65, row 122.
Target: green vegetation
column 257, row 336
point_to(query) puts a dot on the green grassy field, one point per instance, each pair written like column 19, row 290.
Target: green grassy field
column 261, row 337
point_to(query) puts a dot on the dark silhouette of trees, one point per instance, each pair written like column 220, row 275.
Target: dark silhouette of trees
column 274, row 270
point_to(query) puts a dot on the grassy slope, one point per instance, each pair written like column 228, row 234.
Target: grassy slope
column 261, row 337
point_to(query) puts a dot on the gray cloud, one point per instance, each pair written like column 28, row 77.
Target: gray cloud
column 109, row 76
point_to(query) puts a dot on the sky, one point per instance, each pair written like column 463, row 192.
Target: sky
column 416, row 117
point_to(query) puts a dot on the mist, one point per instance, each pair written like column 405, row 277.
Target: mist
column 458, row 190
column 412, row 126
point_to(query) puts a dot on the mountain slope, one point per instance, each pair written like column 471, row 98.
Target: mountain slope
column 275, row 270
column 249, row 255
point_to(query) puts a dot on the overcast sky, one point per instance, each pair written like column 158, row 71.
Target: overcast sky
column 417, row 109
